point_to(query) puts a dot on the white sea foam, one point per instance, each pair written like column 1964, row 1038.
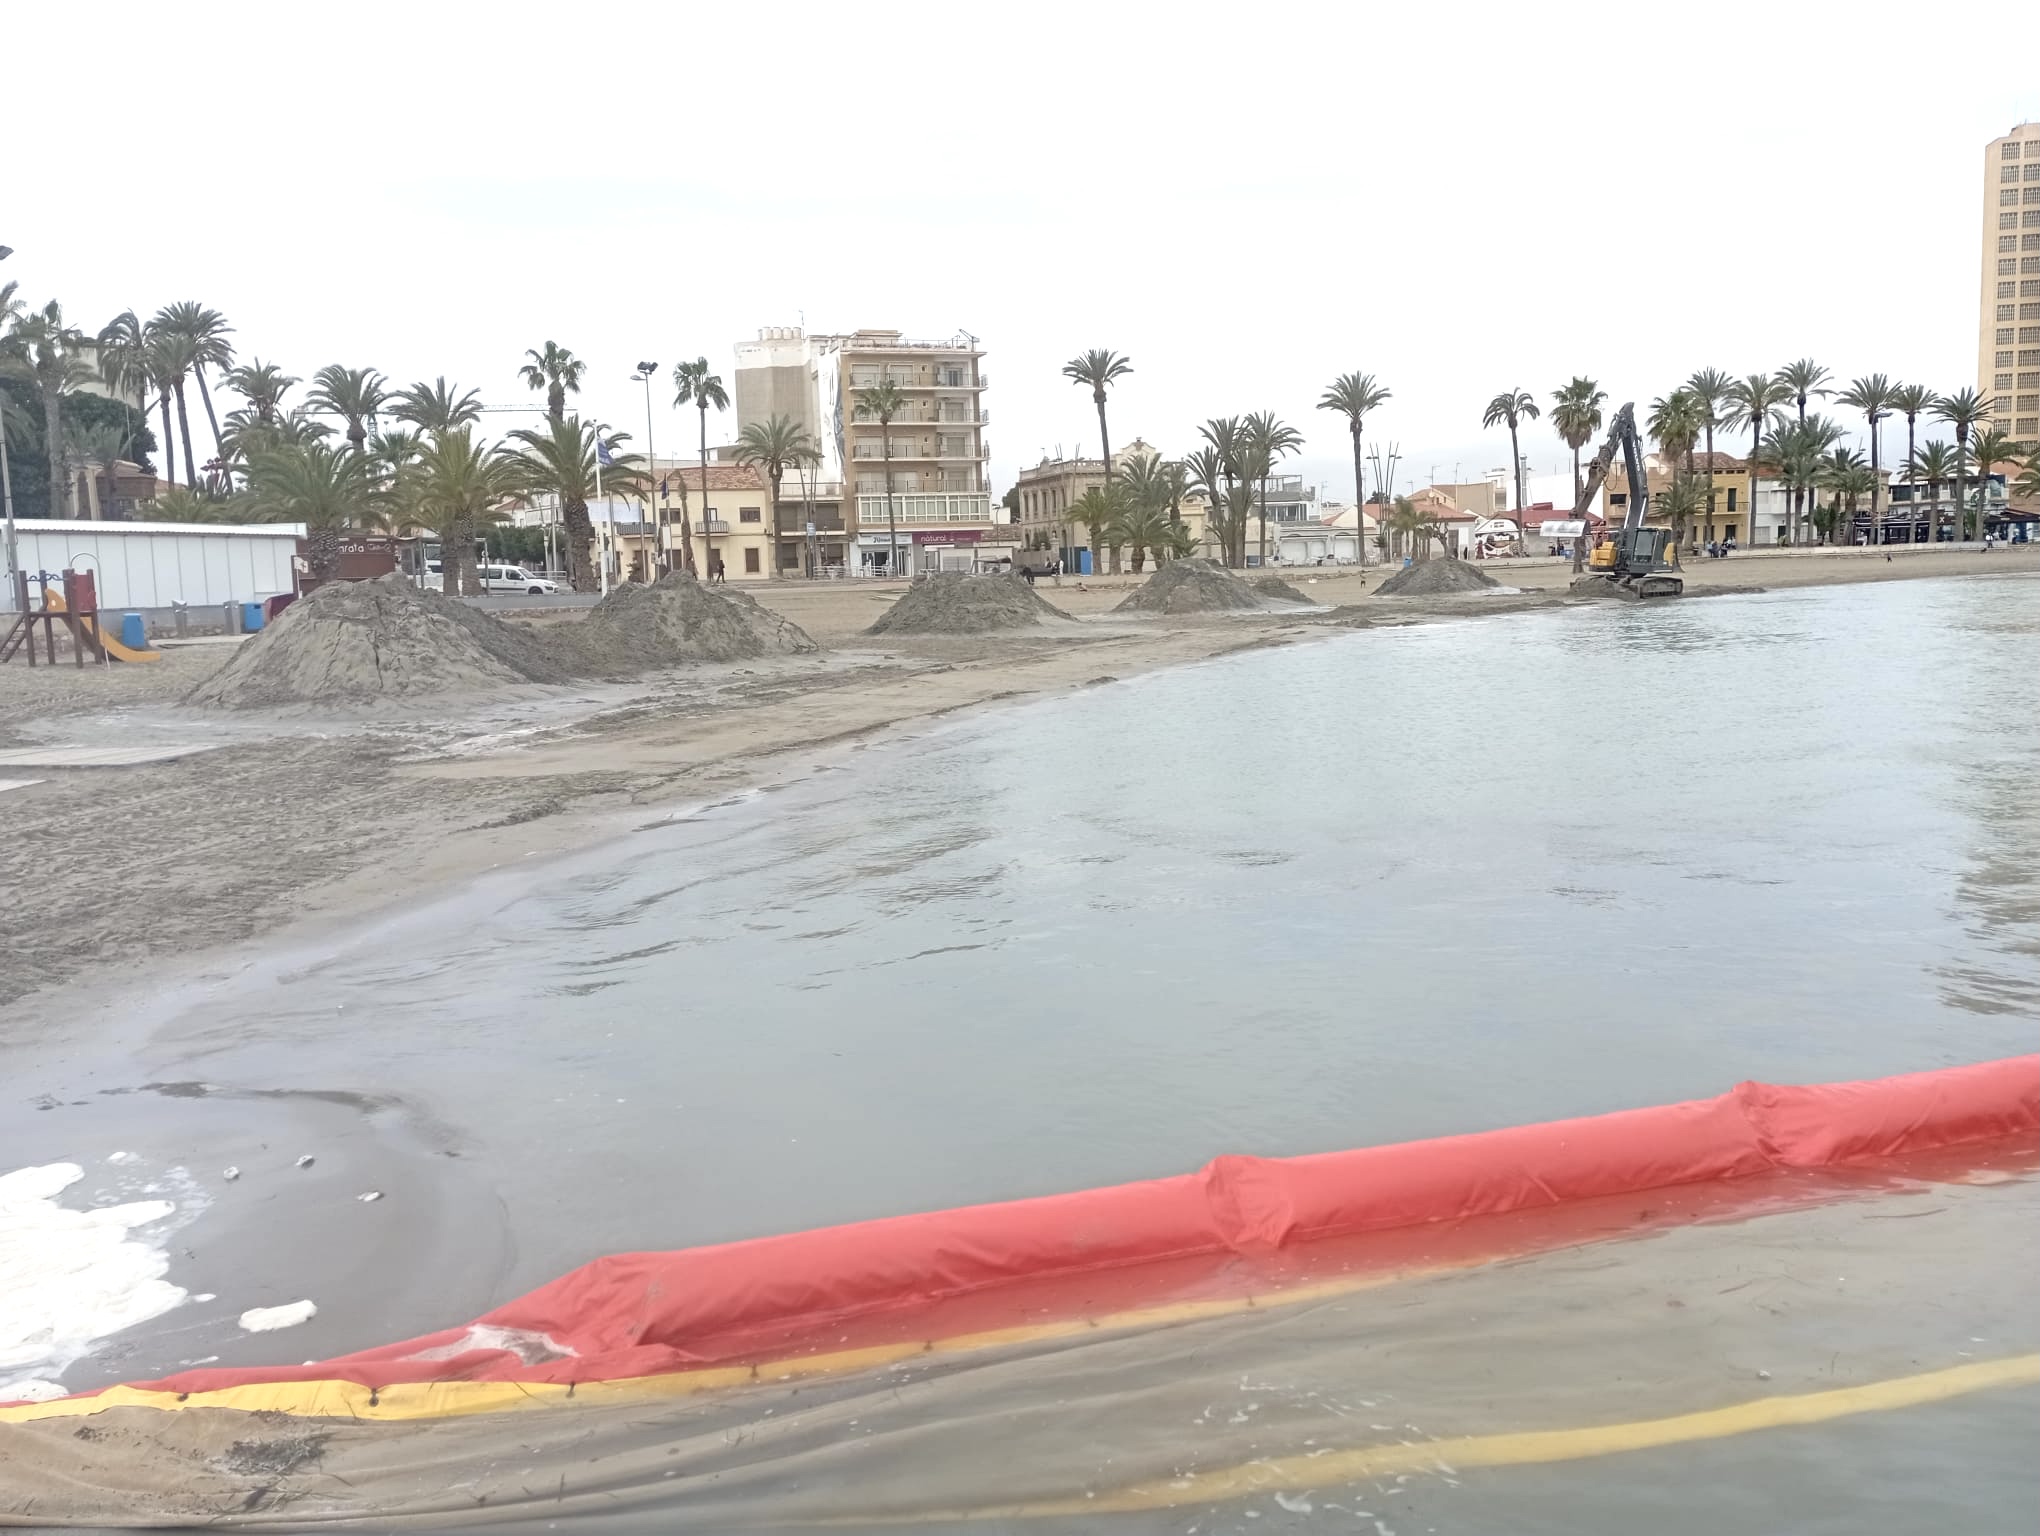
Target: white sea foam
column 70, row 1278
column 269, row 1319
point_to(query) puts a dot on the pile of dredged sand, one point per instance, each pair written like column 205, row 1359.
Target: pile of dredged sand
column 674, row 621
column 952, row 603
column 1192, row 586
column 352, row 642
column 1435, row 578
column 1280, row 590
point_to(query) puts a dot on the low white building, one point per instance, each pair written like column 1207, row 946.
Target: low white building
column 158, row 565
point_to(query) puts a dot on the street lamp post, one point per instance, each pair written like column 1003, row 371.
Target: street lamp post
column 644, row 376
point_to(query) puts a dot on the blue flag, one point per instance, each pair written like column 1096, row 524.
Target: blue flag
column 602, row 452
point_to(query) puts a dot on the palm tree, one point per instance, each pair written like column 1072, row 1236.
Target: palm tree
column 1100, row 510
column 171, row 357
column 1206, row 474
column 454, row 487
column 1710, row 386
column 1802, row 379
column 263, row 386
column 1099, row 368
column 355, row 395
column 329, row 490
column 1576, row 415
column 2027, row 486
column 775, row 445
column 435, row 407
column 1148, row 485
column 1965, row 411
column 560, row 461
column 556, row 371
column 1681, row 501
column 1844, row 474
column 1353, row 395
column 881, row 402
column 694, row 382
column 123, row 362
column 1934, row 465
column 1413, row 527
column 1794, row 449
column 1514, row 407
column 207, row 331
column 1754, row 403
column 181, row 504
column 1909, row 400
column 1989, row 448
column 1873, row 396
column 91, row 449
column 391, row 450
column 1268, row 440
column 1222, row 434
column 45, row 349
column 1676, row 421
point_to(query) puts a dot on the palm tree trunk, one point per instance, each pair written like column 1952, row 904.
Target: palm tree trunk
column 1710, row 478
column 1912, row 487
column 322, row 553
column 1516, row 461
column 212, row 420
column 184, row 432
column 708, row 553
column 169, row 448
column 892, row 521
column 1360, row 497
column 778, row 475
column 1876, row 477
column 580, row 531
column 1961, row 474
column 53, row 426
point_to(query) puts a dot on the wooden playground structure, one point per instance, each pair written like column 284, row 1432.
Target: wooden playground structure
column 72, row 601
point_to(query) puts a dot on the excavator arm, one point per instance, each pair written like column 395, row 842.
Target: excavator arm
column 1632, row 563
column 1622, row 435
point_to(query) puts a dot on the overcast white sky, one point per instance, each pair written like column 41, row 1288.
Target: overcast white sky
column 1246, row 200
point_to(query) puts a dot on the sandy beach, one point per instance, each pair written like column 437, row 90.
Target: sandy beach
column 298, row 822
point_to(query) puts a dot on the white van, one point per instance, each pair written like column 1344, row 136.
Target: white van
column 495, row 578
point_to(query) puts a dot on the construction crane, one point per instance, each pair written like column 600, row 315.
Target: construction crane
column 1636, row 562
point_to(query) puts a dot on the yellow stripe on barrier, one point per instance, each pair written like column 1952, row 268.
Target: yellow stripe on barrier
column 1524, row 1448
column 458, row 1399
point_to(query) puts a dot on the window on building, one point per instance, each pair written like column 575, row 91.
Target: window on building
column 2011, row 151
column 2004, row 359
column 2001, row 381
column 2029, row 312
column 2033, row 171
column 2008, row 242
column 2004, row 335
column 2008, row 221
column 2007, row 264
column 2029, row 381
column 2029, row 288
column 2030, row 220
column 2027, row 359
column 2029, row 242
column 2029, row 263
column 2008, row 197
column 1731, row 501
column 751, row 562
column 2005, row 311
column 748, row 515
column 2028, row 333
column 2027, row 426
column 2009, row 173
column 864, row 376
column 2031, row 195
column 2006, row 290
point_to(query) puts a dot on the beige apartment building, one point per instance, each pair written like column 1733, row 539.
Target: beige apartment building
column 940, row 514
column 2008, row 340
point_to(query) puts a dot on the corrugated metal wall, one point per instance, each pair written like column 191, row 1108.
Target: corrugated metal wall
column 152, row 565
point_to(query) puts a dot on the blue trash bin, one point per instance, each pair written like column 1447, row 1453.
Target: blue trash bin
column 134, row 634
column 251, row 618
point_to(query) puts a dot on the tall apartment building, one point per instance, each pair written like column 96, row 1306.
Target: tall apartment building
column 2008, row 341
column 940, row 502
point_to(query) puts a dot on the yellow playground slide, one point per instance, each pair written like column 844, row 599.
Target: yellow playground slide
column 54, row 599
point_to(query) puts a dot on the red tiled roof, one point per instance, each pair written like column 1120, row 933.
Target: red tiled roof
column 721, row 477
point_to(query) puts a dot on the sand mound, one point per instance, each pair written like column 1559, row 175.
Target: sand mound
column 1191, row 586
column 677, row 620
column 357, row 641
column 1433, row 578
column 1280, row 590
column 952, row 603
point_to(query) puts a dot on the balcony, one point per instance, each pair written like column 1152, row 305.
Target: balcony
column 926, row 508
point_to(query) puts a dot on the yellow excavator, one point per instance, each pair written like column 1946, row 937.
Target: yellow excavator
column 1635, row 562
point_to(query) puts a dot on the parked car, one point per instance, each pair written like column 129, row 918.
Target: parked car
column 515, row 578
